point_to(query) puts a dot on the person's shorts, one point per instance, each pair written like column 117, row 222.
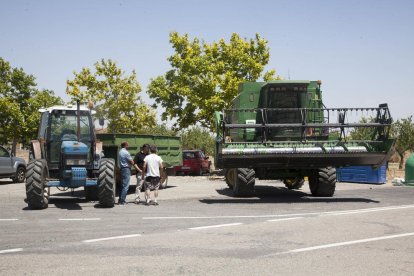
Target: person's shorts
column 152, row 183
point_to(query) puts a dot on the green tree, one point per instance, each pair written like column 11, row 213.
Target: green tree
column 160, row 129
column 205, row 77
column 363, row 133
column 403, row 130
column 116, row 94
column 20, row 101
column 198, row 138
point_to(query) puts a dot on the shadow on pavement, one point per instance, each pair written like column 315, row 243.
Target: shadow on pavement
column 7, row 182
column 267, row 194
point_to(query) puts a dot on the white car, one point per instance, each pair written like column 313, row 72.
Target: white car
column 12, row 167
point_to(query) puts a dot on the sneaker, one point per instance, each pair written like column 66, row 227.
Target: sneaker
column 156, row 203
column 123, row 204
column 147, row 203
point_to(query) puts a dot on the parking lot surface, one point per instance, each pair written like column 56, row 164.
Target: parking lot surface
column 200, row 229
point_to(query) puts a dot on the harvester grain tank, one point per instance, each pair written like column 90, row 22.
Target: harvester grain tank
column 282, row 130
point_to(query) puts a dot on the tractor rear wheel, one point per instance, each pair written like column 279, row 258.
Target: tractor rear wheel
column 91, row 193
column 106, row 183
column 244, row 182
column 37, row 196
column 322, row 182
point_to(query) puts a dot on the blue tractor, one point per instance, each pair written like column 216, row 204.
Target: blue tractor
column 67, row 155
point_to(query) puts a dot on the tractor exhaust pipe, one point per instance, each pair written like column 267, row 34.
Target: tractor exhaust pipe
column 78, row 120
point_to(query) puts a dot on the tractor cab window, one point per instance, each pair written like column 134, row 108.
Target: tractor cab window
column 63, row 127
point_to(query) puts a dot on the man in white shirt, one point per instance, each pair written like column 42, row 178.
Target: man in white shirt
column 152, row 174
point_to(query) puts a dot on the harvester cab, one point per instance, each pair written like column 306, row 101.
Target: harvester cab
column 282, row 130
column 67, row 155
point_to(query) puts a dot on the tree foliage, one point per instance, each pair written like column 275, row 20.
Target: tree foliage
column 363, row 133
column 19, row 102
column 198, row 138
column 116, row 95
column 403, row 130
column 204, row 78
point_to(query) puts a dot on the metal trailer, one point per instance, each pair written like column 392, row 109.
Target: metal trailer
column 169, row 148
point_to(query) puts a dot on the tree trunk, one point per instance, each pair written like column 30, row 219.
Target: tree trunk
column 13, row 149
column 401, row 160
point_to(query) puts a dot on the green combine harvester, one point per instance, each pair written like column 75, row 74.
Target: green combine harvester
column 282, row 130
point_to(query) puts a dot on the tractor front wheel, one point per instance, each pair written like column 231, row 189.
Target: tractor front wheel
column 106, row 183
column 322, row 182
column 244, row 183
column 91, row 193
column 37, row 196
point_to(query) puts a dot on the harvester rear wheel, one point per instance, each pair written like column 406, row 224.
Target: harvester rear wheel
column 323, row 182
column 106, row 183
column 230, row 177
column 244, row 183
column 294, row 184
column 37, row 196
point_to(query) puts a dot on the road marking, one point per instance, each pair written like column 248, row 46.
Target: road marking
column 8, row 219
column 112, row 238
column 11, row 250
column 283, row 219
column 215, row 226
column 342, row 244
column 343, row 212
column 78, row 219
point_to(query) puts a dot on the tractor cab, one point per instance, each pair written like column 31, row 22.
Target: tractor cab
column 64, row 147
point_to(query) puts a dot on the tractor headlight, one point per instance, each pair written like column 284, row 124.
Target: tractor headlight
column 76, row 162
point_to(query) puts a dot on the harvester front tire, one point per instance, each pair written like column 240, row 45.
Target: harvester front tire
column 244, row 184
column 106, row 183
column 323, row 182
column 37, row 196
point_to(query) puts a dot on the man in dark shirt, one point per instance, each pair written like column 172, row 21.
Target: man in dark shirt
column 139, row 160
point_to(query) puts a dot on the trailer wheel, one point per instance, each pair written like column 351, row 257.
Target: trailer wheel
column 91, row 193
column 322, row 182
column 230, row 177
column 294, row 184
column 164, row 179
column 106, row 183
column 37, row 196
column 244, row 183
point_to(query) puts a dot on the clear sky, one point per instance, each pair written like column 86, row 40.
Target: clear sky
column 363, row 51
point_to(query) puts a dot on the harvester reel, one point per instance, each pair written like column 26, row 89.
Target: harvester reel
column 36, row 190
column 106, row 183
column 323, row 182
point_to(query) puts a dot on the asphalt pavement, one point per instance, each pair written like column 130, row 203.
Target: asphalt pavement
column 200, row 229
